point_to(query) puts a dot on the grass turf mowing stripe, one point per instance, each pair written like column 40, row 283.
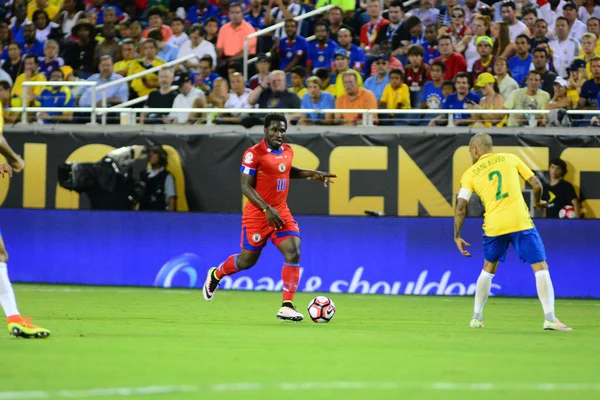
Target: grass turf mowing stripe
column 301, row 386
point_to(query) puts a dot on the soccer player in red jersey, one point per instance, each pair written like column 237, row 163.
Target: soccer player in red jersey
column 265, row 174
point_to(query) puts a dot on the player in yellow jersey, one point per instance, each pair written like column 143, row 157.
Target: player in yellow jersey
column 495, row 179
column 17, row 325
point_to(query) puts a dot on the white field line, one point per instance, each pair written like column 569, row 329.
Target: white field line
column 301, row 386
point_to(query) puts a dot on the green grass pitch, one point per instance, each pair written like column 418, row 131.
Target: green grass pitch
column 171, row 344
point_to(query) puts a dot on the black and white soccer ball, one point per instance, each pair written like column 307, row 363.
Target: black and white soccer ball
column 321, row 309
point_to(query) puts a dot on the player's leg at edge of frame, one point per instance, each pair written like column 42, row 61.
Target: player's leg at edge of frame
column 17, row 325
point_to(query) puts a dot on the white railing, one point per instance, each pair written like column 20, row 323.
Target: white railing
column 274, row 28
column 129, row 78
column 25, row 99
column 367, row 115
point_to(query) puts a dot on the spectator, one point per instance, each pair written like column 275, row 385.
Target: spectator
column 219, row 93
column 432, row 96
column 396, row 96
column 564, row 46
column 230, row 44
column 342, row 62
column 347, row 6
column 110, row 45
column 415, row 29
column 80, row 55
column 576, row 27
column 593, row 26
column 430, row 45
column 18, row 21
column 552, row 57
column 155, row 21
column 588, row 98
column 417, row 73
column 263, row 66
column 377, row 83
column 468, row 45
column 560, row 99
column 179, row 36
column 272, row 93
column 4, row 35
column 395, row 32
column 357, row 55
column 385, row 48
column 455, row 62
column 370, row 30
column 520, row 64
column 321, row 53
column 529, row 15
column 114, row 95
column 160, row 193
column 31, row 45
column 427, row 12
column 588, row 9
column 335, row 17
column 43, row 25
column 486, row 60
column 298, row 74
column 256, row 15
column 558, row 192
column 292, row 48
column 188, row 97
column 236, row 98
column 198, row 46
column 458, row 29
column 506, row 84
column 472, row 8
column 202, row 11
column 50, row 62
column 316, row 99
column 56, row 96
column 128, row 54
column 99, row 8
column 166, row 52
column 148, row 83
column 540, row 33
column 223, row 16
column 550, row 10
column 491, row 100
column 540, row 61
column 588, row 49
column 354, row 97
column 286, row 9
column 577, row 76
column 33, row 6
column 458, row 101
column 448, row 88
column 509, row 17
column 211, row 31
column 324, row 75
column 30, row 74
column 205, row 78
column 444, row 18
column 13, row 62
column 529, row 98
column 67, row 18
column 135, row 33
column 503, row 45
column 161, row 98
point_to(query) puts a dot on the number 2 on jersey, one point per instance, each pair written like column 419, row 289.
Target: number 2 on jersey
column 499, row 194
column 281, row 185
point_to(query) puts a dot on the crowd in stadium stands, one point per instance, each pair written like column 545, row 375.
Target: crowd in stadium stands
column 453, row 54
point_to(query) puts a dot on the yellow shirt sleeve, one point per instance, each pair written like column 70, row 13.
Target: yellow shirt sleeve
column 523, row 169
column 387, row 91
column 1, row 118
column 404, row 96
column 466, row 181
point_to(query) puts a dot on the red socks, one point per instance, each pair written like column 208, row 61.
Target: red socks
column 228, row 267
column 290, row 275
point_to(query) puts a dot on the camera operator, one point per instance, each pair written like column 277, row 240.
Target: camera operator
column 158, row 184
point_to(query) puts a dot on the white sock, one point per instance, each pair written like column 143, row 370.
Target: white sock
column 7, row 295
column 545, row 292
column 482, row 292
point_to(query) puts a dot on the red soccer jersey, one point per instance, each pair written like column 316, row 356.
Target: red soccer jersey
column 272, row 171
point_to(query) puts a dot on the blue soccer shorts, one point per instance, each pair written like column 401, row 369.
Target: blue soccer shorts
column 528, row 244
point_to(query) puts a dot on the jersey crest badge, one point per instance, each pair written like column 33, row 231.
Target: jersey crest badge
column 281, row 167
column 256, row 237
column 248, row 158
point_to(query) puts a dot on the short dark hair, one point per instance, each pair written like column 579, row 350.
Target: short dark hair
column 412, row 21
column 561, row 18
column 208, row 59
column 397, row 71
column 534, row 72
column 322, row 73
column 211, row 19
column 522, row 36
column 442, row 37
column 541, row 20
column 510, row 4
column 464, row 75
column 415, row 50
column 396, row 3
column 174, row 19
column 291, row 20
column 4, row 85
column 156, row 34
column 590, row 18
column 440, row 64
column 16, row 44
column 560, row 163
column 32, row 56
column 232, row 5
column 449, row 83
column 323, row 23
column 156, row 11
column 540, row 50
column 275, row 117
column 150, row 40
column 298, row 70
column 196, row 28
column 529, row 10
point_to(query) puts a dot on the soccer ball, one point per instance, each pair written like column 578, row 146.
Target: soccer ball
column 321, row 309
column 567, row 212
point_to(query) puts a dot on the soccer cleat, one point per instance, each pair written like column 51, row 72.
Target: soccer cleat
column 289, row 313
column 210, row 285
column 556, row 326
column 475, row 323
column 22, row 327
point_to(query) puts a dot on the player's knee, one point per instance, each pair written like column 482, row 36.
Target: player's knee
column 245, row 262
column 292, row 256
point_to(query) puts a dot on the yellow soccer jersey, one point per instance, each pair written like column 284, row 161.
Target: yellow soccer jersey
column 495, row 179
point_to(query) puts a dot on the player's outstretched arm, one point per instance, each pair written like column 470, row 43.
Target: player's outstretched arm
column 325, row 177
column 459, row 219
column 13, row 158
column 537, row 187
column 248, row 182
